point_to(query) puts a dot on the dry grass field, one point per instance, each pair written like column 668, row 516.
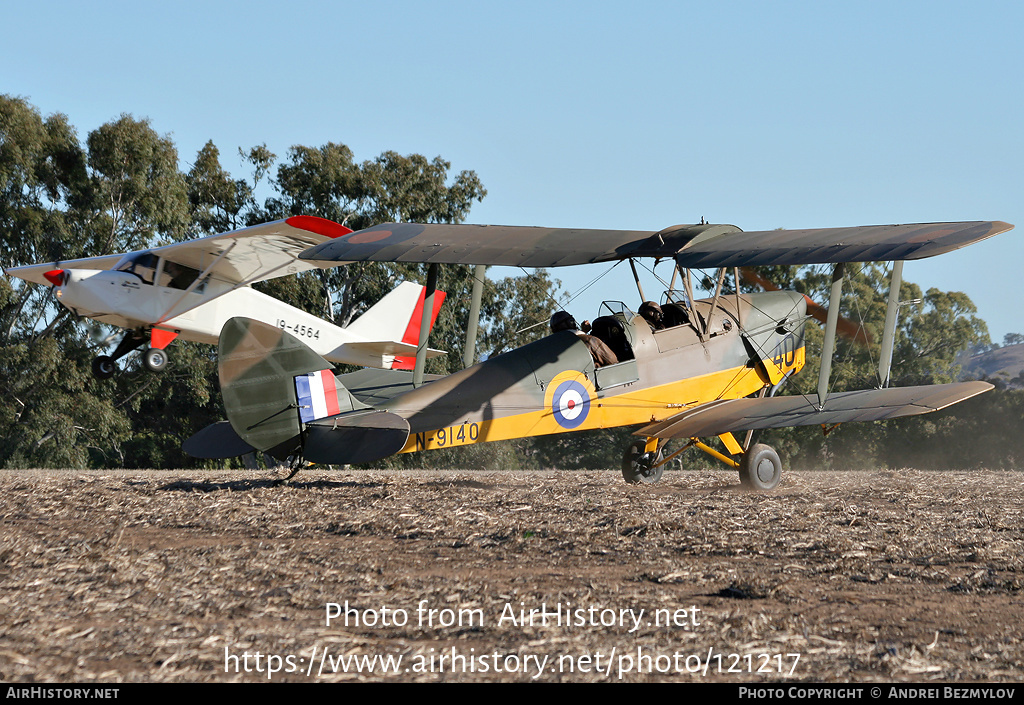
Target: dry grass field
column 839, row 577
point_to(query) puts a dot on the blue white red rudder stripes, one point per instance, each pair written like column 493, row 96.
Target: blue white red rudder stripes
column 317, row 394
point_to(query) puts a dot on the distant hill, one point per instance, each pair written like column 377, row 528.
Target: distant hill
column 1006, row 363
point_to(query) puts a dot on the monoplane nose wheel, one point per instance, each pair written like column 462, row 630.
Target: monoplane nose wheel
column 760, row 468
column 103, row 367
column 155, row 359
column 638, row 465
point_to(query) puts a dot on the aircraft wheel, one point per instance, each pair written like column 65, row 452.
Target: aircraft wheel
column 103, row 367
column 155, row 359
column 636, row 464
column 760, row 468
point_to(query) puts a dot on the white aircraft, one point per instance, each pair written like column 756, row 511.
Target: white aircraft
column 190, row 289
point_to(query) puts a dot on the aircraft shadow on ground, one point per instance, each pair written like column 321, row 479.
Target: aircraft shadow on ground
column 248, row 485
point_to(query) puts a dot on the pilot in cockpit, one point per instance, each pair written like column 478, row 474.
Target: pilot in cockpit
column 653, row 314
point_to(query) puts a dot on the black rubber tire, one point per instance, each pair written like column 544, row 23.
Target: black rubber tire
column 760, row 468
column 155, row 359
column 636, row 464
column 103, row 367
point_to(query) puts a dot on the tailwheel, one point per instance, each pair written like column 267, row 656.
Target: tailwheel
column 155, row 359
column 103, row 367
column 638, row 464
column 760, row 468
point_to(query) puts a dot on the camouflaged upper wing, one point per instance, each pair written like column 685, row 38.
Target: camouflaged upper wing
column 696, row 246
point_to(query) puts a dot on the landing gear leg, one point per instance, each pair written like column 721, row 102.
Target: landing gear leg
column 103, row 366
column 155, row 358
column 295, row 463
column 759, row 466
column 640, row 464
column 295, row 469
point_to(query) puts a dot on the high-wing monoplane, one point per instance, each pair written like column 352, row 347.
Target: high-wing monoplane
column 190, row 289
column 711, row 367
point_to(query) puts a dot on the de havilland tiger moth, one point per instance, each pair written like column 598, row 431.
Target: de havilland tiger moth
column 711, row 367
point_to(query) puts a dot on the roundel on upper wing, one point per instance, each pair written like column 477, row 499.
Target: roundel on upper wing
column 363, row 238
column 385, row 234
column 570, row 404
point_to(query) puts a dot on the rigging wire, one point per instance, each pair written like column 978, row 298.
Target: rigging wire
column 560, row 307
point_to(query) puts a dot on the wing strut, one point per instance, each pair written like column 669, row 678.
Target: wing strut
column 831, row 324
column 636, row 278
column 889, row 332
column 714, row 302
column 201, row 279
column 428, row 310
column 206, row 275
column 469, row 352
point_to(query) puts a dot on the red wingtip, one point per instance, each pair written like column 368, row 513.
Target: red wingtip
column 320, row 226
column 55, row 276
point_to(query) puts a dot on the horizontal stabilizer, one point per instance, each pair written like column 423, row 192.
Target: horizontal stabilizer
column 725, row 416
column 218, row 440
column 356, row 437
column 390, row 347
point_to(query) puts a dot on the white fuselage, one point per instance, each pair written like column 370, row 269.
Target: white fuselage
column 123, row 299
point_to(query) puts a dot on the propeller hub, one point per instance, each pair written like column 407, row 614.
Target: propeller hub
column 57, row 277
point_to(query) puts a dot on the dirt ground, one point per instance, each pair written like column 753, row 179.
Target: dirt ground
column 840, row 577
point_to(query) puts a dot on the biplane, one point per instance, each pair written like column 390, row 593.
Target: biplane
column 711, row 368
column 190, row 289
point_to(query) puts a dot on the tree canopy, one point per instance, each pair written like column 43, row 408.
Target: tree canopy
column 121, row 189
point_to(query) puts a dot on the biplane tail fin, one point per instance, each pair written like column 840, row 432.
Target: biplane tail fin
column 258, row 364
column 284, row 399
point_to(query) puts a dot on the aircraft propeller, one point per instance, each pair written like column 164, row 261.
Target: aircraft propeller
column 847, row 328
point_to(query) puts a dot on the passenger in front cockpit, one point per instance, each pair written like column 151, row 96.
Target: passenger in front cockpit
column 602, row 354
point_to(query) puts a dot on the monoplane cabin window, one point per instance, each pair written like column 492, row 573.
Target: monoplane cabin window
column 141, row 264
column 178, row 276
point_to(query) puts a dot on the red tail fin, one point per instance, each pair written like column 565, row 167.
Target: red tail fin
column 412, row 331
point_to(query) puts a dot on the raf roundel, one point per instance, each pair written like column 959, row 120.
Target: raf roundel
column 570, row 404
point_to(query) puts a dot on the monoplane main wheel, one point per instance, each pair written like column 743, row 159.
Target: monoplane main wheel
column 637, row 465
column 760, row 468
column 103, row 367
column 155, row 359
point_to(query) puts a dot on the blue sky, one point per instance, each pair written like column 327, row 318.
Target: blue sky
column 623, row 115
